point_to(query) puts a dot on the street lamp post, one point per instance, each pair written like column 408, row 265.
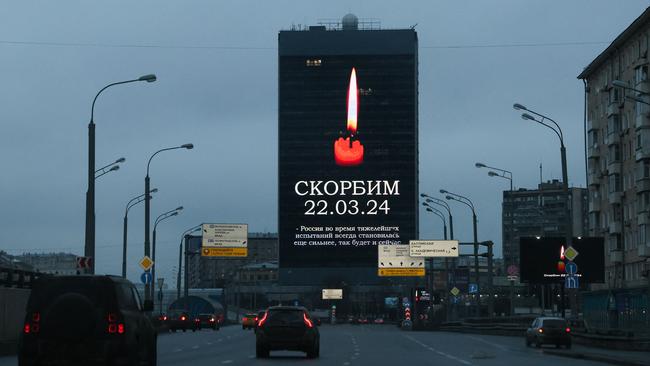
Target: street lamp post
column 89, row 240
column 505, row 174
column 468, row 203
column 105, row 169
column 132, row 202
column 448, row 279
column 147, row 208
column 565, row 178
column 161, row 217
column 438, row 213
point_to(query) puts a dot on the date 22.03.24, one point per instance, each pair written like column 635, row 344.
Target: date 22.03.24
column 346, row 207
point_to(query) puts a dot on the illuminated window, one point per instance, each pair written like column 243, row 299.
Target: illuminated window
column 314, row 62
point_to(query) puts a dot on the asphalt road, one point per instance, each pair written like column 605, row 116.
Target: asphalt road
column 358, row 345
column 350, row 345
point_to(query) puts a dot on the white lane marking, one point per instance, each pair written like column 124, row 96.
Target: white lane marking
column 195, row 347
column 451, row 357
column 178, row 350
column 208, row 343
column 251, row 356
column 346, row 363
column 226, row 361
column 489, row 343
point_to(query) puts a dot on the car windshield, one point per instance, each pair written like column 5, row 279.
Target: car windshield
column 284, row 317
column 554, row 323
column 353, row 182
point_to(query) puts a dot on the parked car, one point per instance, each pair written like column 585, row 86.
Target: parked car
column 86, row 319
column 249, row 321
column 379, row 321
column 287, row 328
column 206, row 321
column 179, row 320
column 549, row 330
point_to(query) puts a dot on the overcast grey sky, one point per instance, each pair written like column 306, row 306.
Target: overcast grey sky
column 216, row 63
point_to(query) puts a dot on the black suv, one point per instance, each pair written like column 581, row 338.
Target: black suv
column 86, row 319
column 287, row 328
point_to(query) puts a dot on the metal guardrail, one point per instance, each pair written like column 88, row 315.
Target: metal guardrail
column 12, row 277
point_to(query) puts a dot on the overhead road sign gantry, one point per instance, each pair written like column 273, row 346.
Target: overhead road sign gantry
column 394, row 260
column 433, row 248
column 224, row 240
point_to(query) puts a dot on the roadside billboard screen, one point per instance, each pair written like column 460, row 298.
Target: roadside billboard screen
column 546, row 259
column 347, row 159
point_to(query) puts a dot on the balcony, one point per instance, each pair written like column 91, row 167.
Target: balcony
column 642, row 218
column 641, row 121
column 615, row 227
column 613, row 138
column 590, row 125
column 614, row 167
column 592, row 152
column 616, row 256
column 594, row 179
column 643, row 251
column 643, row 185
column 615, row 197
column 594, row 206
column 643, row 153
column 613, row 108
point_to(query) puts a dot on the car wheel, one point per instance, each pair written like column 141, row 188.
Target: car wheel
column 243, row 327
column 261, row 351
column 184, row 330
column 153, row 354
column 568, row 346
column 314, row 351
column 527, row 342
column 557, row 345
column 538, row 343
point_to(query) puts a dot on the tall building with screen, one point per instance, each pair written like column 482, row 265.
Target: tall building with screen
column 348, row 149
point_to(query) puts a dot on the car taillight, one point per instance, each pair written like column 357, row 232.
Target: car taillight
column 568, row 330
column 255, row 318
column 541, row 330
column 308, row 322
column 34, row 326
column 263, row 320
column 113, row 327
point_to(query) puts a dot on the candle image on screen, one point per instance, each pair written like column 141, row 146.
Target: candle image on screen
column 348, row 150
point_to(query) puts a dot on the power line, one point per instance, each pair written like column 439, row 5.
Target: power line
column 251, row 48
column 517, row 45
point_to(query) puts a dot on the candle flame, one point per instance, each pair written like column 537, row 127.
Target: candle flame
column 562, row 252
column 353, row 102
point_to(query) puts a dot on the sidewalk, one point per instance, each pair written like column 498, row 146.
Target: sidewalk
column 612, row 357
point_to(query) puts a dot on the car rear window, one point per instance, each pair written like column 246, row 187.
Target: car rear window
column 47, row 291
column 554, row 323
column 285, row 316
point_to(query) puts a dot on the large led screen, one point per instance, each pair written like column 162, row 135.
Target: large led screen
column 544, row 260
column 347, row 158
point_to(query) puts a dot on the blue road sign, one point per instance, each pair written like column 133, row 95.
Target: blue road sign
column 571, row 282
column 145, row 277
column 473, row 288
column 571, row 268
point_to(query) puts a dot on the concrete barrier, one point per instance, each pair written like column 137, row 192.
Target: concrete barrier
column 13, row 302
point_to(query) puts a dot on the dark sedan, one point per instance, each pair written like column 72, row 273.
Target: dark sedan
column 287, row 328
column 178, row 320
column 549, row 330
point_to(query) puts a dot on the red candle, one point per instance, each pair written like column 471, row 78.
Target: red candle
column 348, row 151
